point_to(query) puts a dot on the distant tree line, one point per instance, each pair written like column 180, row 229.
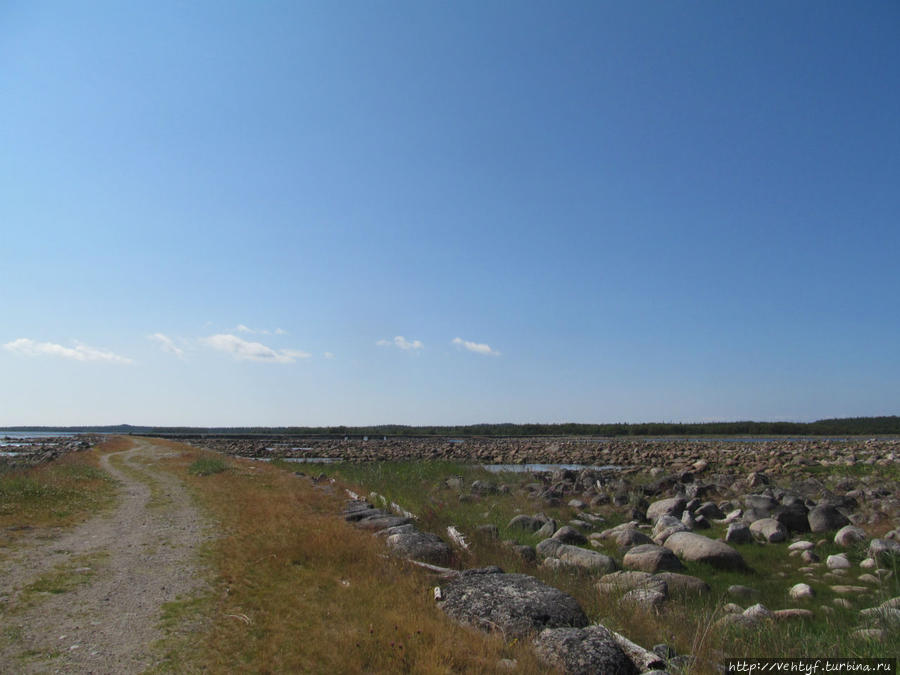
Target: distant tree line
column 848, row 426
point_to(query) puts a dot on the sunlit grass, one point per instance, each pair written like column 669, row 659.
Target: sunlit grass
column 55, row 494
column 297, row 589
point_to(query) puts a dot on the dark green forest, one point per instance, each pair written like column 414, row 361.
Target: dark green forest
column 848, row 426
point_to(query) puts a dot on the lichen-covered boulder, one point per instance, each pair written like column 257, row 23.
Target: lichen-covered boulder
column 583, row 651
column 423, row 546
column 515, row 604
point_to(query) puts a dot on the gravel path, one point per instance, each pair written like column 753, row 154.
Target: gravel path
column 115, row 573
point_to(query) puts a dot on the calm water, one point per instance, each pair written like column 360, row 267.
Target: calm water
column 540, row 468
column 15, row 438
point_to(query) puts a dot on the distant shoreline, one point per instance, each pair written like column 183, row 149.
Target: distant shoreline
column 887, row 426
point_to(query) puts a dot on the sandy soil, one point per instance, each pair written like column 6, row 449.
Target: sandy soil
column 117, row 570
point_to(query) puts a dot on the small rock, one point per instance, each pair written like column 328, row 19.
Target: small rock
column 849, row 535
column 792, row 614
column 801, row 545
column 801, row 592
column 809, row 557
column 744, row 592
column 758, row 612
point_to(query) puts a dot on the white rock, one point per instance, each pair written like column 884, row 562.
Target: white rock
column 758, row 612
column 801, row 545
column 801, row 591
column 837, row 562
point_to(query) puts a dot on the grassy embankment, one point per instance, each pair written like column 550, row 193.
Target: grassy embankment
column 685, row 623
column 296, row 589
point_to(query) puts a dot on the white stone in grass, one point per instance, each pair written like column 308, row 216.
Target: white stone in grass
column 801, row 545
column 801, row 592
column 837, row 562
column 758, row 612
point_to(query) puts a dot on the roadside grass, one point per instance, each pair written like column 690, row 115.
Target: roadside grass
column 207, row 466
column 297, row 589
column 57, row 494
column 685, row 623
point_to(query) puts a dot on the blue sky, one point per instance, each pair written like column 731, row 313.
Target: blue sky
column 438, row 213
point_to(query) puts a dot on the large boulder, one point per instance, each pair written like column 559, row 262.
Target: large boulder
column 423, row 546
column 583, row 651
column 738, row 533
column 569, row 535
column 620, row 582
column 825, row 517
column 625, row 537
column 794, row 516
column 683, row 584
column 666, row 526
column 673, row 506
column 515, row 604
column 710, row 511
column 585, row 559
column 651, row 558
column 768, row 530
column 697, row 548
column 758, row 506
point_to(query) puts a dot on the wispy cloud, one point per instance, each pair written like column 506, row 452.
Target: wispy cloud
column 401, row 343
column 166, row 344
column 328, row 355
column 477, row 347
column 80, row 352
column 242, row 350
column 242, row 328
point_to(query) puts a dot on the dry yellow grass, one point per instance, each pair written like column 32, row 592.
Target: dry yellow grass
column 296, row 589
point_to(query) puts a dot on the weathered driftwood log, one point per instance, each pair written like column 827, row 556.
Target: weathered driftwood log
column 642, row 658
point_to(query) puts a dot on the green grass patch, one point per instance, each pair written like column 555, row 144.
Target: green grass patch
column 55, row 494
column 207, row 466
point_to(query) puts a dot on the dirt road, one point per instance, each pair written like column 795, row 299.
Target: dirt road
column 90, row 600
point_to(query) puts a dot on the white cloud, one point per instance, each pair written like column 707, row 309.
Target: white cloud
column 242, row 350
column 241, row 328
column 476, row 347
column 80, row 352
column 328, row 355
column 165, row 343
column 401, row 343
column 280, row 331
